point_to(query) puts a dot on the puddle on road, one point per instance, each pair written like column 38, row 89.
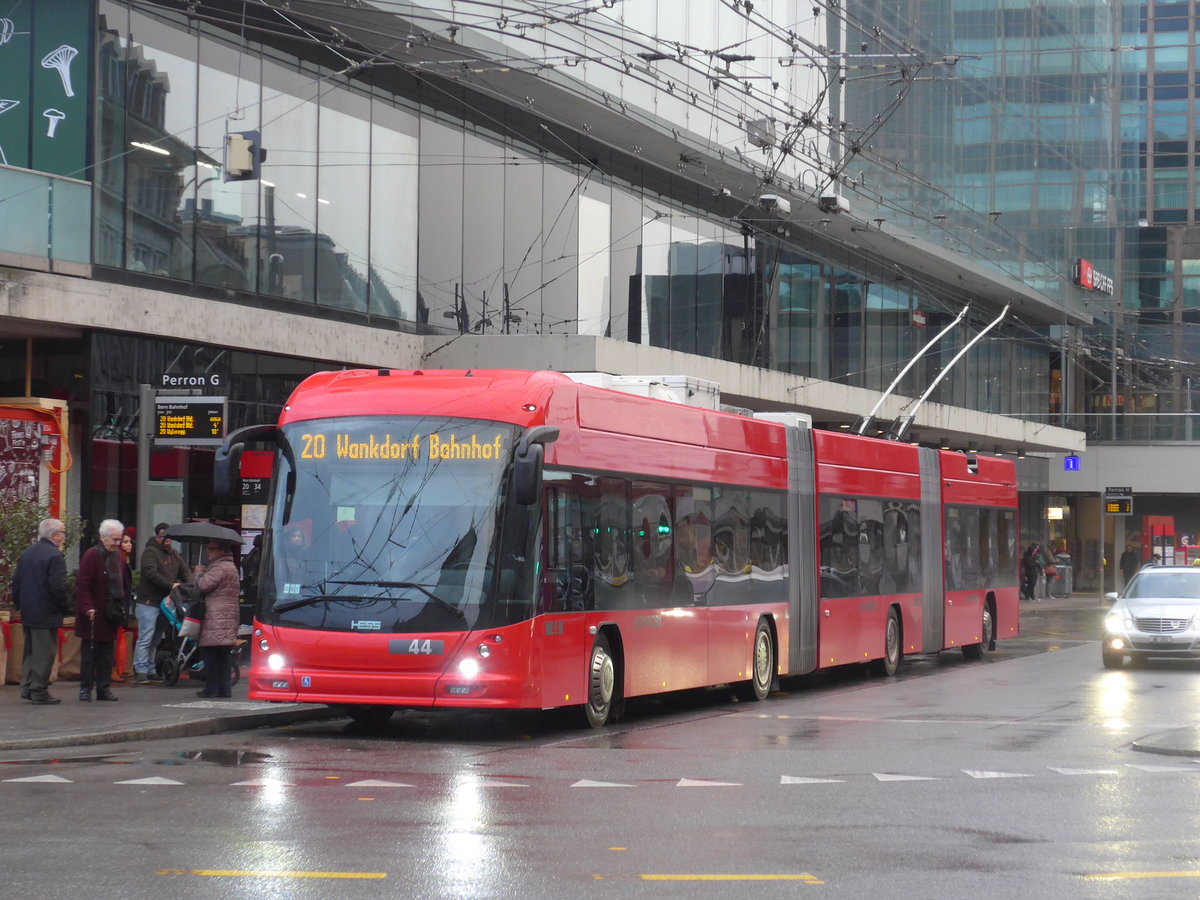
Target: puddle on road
column 228, row 758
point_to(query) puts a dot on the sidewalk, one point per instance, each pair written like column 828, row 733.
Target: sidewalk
column 143, row 712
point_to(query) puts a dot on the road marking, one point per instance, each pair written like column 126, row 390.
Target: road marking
column 795, row 779
column 494, row 782
column 585, row 783
column 1146, row 768
column 883, row 776
column 155, row 780
column 974, row 773
column 1082, row 771
column 370, row 782
column 44, row 779
column 262, row 782
column 692, row 782
column 1132, row 876
column 798, row 876
column 249, row 873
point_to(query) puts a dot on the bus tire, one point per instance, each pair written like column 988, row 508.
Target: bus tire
column 893, row 647
column 602, row 683
column 762, row 664
column 987, row 630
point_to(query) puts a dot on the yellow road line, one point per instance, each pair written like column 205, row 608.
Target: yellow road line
column 799, row 876
column 1130, row 876
column 249, row 873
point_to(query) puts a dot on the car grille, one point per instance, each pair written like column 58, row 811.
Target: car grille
column 1161, row 626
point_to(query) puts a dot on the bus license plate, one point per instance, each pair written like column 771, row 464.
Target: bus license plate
column 416, row 647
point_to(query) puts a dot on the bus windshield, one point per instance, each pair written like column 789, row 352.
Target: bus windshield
column 384, row 524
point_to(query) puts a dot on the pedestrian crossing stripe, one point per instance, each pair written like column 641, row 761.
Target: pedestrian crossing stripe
column 374, row 783
column 262, row 782
column 1147, row 768
column 690, row 782
column 155, row 780
column 585, row 783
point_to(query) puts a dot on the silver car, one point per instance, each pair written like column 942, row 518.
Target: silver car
column 1158, row 614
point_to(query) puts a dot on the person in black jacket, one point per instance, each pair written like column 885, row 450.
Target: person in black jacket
column 40, row 591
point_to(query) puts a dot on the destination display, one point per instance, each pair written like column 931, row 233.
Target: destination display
column 383, row 445
column 189, row 421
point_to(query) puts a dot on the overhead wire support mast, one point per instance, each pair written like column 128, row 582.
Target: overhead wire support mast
column 903, row 422
column 865, row 422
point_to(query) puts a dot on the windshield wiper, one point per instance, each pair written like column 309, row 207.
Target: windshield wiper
column 445, row 604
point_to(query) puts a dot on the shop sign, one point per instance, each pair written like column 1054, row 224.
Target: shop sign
column 1089, row 279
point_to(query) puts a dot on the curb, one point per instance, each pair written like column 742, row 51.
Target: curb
column 194, row 728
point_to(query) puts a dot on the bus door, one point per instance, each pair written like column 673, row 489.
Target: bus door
column 568, row 588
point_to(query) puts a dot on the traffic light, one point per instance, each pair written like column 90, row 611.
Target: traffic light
column 243, row 156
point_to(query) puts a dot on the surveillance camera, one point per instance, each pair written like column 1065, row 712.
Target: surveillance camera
column 833, row 203
column 774, row 205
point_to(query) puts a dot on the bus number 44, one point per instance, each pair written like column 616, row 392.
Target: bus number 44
column 416, row 647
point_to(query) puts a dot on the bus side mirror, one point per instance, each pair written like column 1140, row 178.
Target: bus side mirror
column 227, row 461
column 527, row 464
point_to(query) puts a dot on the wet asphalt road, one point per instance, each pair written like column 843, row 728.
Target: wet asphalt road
column 1013, row 777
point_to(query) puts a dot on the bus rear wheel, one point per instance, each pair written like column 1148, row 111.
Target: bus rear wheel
column 988, row 631
column 762, row 664
column 893, row 650
column 602, row 681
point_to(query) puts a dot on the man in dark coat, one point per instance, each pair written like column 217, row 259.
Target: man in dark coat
column 100, row 582
column 40, row 591
column 1129, row 563
column 1031, row 569
column 162, row 569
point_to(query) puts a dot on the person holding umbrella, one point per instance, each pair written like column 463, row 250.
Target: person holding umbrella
column 220, row 584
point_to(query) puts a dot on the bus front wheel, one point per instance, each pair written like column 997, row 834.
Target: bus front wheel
column 602, row 680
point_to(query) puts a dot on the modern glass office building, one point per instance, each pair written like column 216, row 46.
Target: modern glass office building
column 792, row 198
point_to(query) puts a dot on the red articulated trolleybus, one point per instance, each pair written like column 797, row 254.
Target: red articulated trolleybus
column 519, row 540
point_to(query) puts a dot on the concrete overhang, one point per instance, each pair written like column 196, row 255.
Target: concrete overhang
column 760, row 390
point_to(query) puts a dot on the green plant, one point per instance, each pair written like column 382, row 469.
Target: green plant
column 19, row 520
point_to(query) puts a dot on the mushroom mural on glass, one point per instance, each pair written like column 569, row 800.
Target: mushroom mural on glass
column 53, row 117
column 60, row 60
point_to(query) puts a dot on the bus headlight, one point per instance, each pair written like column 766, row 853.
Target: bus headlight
column 276, row 662
column 468, row 668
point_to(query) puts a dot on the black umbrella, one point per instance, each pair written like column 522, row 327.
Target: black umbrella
column 201, row 532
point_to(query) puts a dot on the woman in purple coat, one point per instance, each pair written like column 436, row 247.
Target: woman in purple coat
column 101, row 580
column 220, row 583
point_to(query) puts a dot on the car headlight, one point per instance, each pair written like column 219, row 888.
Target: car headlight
column 1117, row 621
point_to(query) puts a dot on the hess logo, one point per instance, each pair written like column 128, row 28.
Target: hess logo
column 365, row 625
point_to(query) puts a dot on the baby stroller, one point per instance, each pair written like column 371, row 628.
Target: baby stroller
column 175, row 654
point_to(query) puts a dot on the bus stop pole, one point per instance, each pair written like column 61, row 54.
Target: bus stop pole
column 145, row 430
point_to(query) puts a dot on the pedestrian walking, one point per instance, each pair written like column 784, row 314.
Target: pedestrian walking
column 102, row 599
column 1031, row 570
column 39, row 589
column 1129, row 563
column 219, row 582
column 162, row 569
